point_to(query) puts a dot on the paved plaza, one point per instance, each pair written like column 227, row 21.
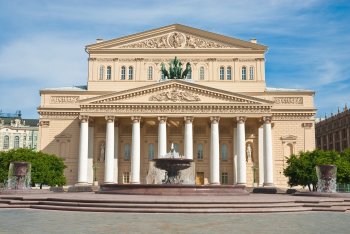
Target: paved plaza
column 39, row 221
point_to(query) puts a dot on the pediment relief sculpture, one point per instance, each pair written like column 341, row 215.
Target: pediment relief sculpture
column 176, row 40
column 175, row 95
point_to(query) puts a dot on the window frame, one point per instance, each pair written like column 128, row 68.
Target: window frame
column 16, row 142
column 200, row 151
column 229, row 73
column 224, row 152
column 127, row 152
column 130, row 73
column 201, row 73
column 251, row 73
column 101, row 73
column 222, row 73
column 109, row 73
column 6, row 143
column 123, row 73
column 150, row 73
column 244, row 73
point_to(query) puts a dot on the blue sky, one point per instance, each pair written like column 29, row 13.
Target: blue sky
column 42, row 42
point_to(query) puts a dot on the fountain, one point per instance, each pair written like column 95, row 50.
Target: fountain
column 19, row 177
column 172, row 174
column 327, row 177
column 173, row 168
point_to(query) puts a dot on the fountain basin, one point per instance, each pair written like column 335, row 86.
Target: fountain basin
column 173, row 189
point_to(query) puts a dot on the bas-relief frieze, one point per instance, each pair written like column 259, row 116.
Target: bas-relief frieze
column 176, row 40
column 63, row 99
column 59, row 115
column 167, row 60
column 293, row 116
column 185, row 109
column 289, row 100
column 174, row 95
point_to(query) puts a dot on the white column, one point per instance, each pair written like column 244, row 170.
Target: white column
column 188, row 152
column 83, row 150
column 162, row 136
column 109, row 152
column 261, row 156
column 91, row 154
column 116, row 151
column 135, row 150
column 241, row 158
column 214, row 151
column 235, row 150
column 268, row 170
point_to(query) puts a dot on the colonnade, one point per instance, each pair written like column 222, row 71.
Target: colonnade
column 111, row 157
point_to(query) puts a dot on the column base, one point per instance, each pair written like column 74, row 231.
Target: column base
column 245, row 184
column 215, row 183
column 265, row 190
column 268, row 184
column 82, row 184
column 134, row 182
column 80, row 187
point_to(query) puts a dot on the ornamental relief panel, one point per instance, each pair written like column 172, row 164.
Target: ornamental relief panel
column 64, row 99
column 166, row 109
column 289, row 100
column 175, row 95
column 176, row 40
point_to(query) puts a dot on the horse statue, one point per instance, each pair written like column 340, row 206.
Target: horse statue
column 175, row 70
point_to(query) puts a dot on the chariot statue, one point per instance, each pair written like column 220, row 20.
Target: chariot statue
column 175, row 70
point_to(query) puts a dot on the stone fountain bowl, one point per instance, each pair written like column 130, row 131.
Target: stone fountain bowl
column 176, row 164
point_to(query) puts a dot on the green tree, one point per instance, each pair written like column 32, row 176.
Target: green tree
column 301, row 168
column 46, row 168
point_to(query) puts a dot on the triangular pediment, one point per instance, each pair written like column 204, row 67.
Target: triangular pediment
column 175, row 91
column 175, row 37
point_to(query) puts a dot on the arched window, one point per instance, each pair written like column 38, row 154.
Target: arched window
column 200, row 151
column 122, row 73
column 131, row 73
column 150, row 73
column 224, row 152
column 16, row 142
column 229, row 73
column 6, row 142
column 244, row 73
column 109, row 72
column 150, row 151
column 102, row 72
column 251, row 73
column 127, row 152
column 189, row 74
column 201, row 73
column 222, row 73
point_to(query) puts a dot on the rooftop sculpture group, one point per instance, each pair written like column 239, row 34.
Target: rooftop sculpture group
column 175, row 70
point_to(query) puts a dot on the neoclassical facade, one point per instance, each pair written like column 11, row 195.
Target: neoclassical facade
column 222, row 115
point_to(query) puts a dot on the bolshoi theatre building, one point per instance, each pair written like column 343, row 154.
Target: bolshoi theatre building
column 221, row 114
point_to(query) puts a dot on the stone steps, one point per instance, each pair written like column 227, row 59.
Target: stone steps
column 173, row 205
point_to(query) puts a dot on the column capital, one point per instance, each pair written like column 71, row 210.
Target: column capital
column 162, row 119
column 83, row 118
column 267, row 119
column 188, row 119
column 241, row 119
column 135, row 119
column 109, row 119
column 214, row 119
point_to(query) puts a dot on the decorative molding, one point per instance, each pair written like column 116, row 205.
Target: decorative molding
column 246, row 60
column 289, row 138
column 44, row 123
column 176, row 109
column 105, row 59
column 175, row 95
column 289, row 100
column 64, row 99
column 91, row 59
column 58, row 115
column 293, row 116
column 306, row 125
column 176, row 40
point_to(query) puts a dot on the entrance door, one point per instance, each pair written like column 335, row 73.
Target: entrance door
column 199, row 178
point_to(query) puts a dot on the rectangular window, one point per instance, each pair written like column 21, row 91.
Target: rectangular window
column 200, row 152
column 251, row 73
column 229, row 73
column 126, row 177
column 201, row 73
column 224, row 178
column 222, row 73
column 150, row 151
column 127, row 152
